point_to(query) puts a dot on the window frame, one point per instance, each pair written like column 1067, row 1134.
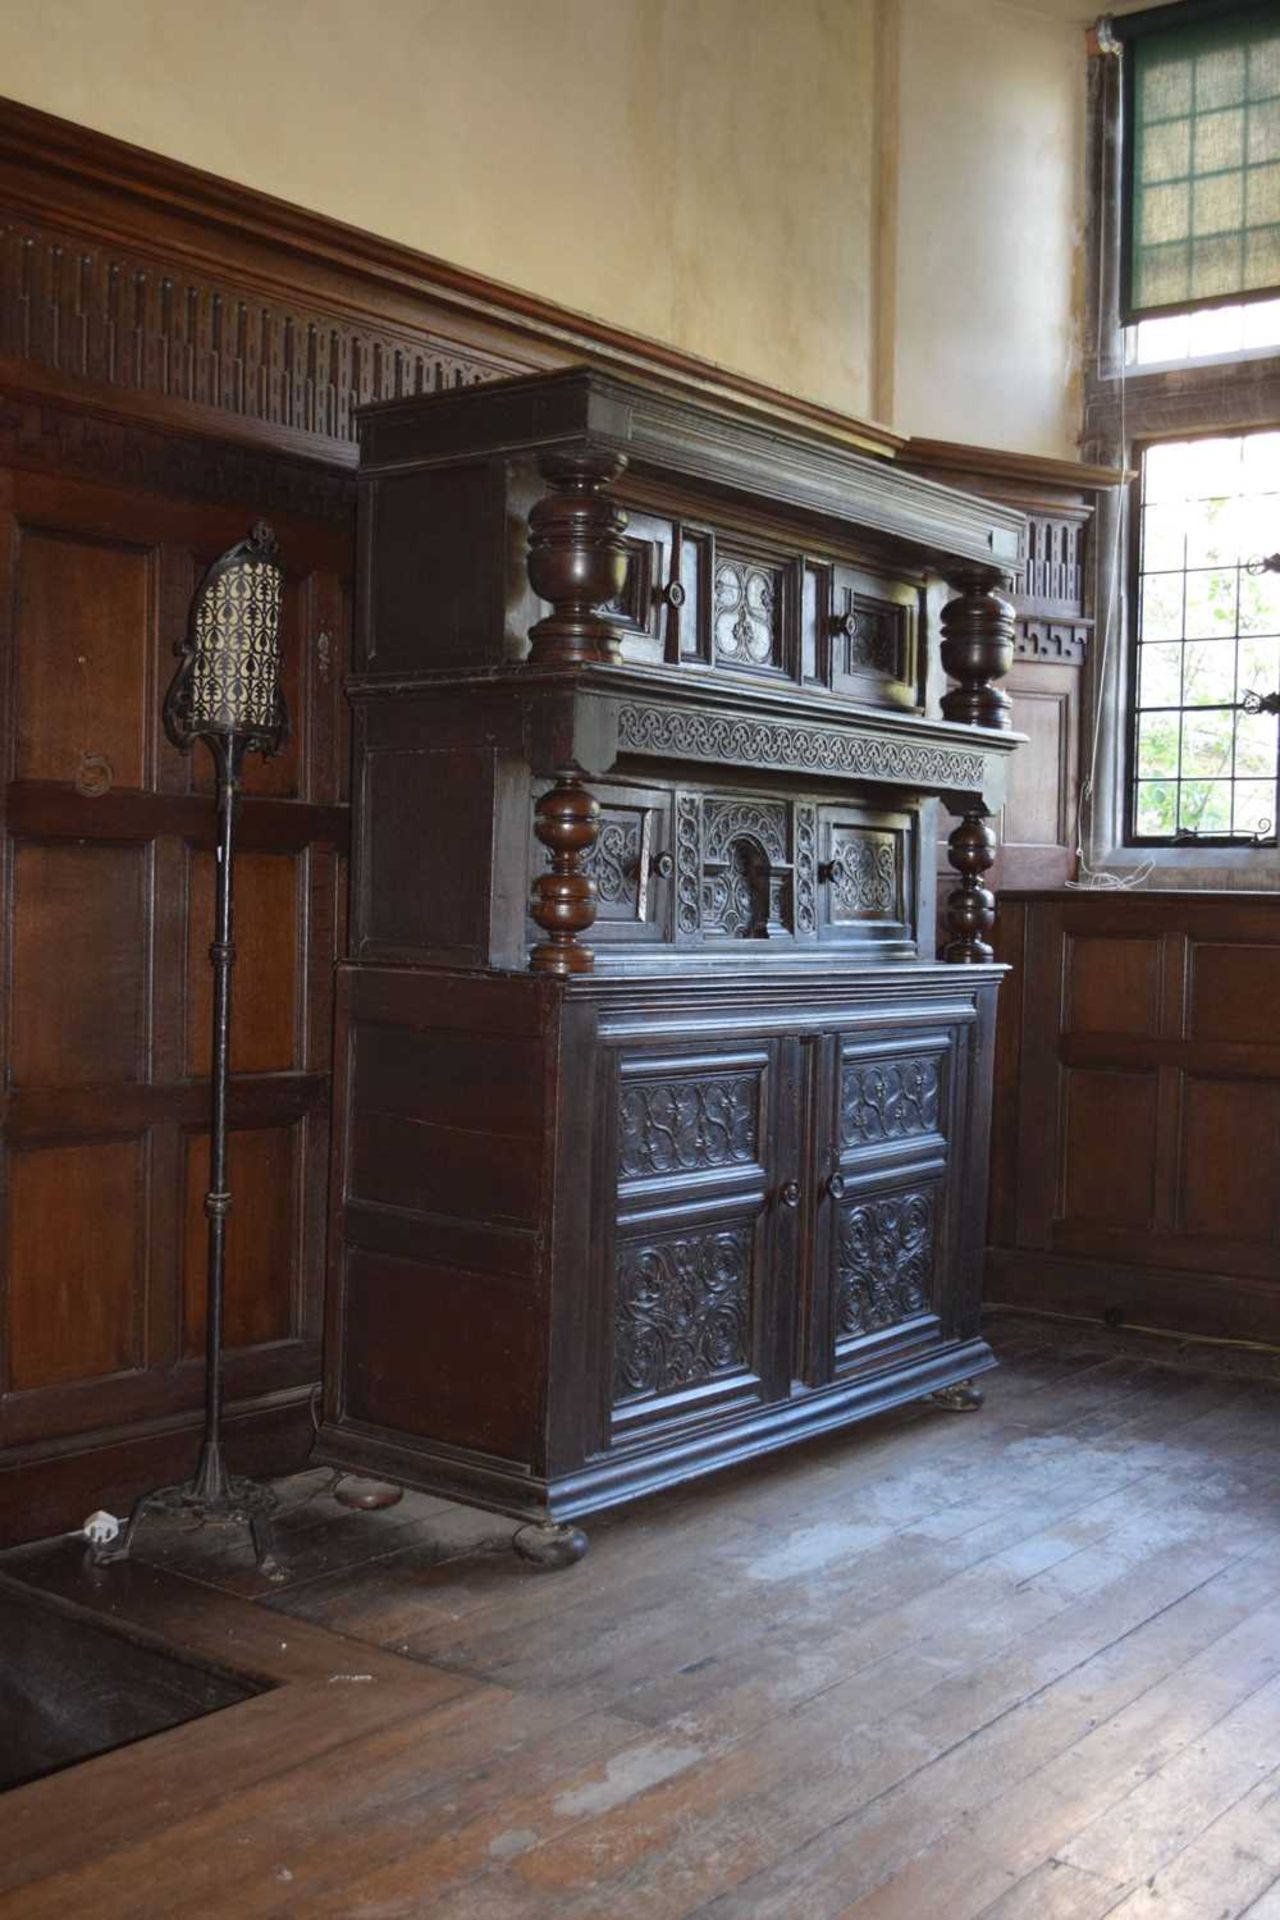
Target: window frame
column 1126, row 409
column 1145, row 843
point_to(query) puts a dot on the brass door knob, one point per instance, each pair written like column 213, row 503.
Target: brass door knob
column 789, row 1194
column 835, row 1186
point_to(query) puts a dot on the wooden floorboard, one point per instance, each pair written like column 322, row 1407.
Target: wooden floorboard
column 1018, row 1666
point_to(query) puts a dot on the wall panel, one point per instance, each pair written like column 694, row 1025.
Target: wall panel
column 77, row 1248
column 80, row 964
column 109, row 864
column 1137, row 1164
column 86, row 611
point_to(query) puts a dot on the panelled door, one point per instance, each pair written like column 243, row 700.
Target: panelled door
column 708, row 1205
column 108, row 887
column 883, row 1231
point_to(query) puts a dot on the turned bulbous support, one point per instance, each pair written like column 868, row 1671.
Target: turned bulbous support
column 577, row 559
column 566, row 819
column 971, row 907
column 977, row 650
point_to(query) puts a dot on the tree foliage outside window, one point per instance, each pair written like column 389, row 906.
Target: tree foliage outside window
column 1208, row 632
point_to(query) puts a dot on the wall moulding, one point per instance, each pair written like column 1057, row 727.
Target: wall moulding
column 139, row 274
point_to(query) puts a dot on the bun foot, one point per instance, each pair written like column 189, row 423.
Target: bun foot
column 963, row 1397
column 365, row 1496
column 550, row 1547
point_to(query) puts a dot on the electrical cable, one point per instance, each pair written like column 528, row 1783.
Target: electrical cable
column 1131, row 1326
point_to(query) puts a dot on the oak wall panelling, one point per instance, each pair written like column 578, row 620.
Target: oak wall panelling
column 1136, row 1158
column 107, row 887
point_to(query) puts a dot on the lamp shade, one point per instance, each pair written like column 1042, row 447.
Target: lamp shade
column 228, row 682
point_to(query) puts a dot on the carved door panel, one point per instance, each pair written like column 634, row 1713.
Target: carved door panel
column 706, row 1215
column 631, row 863
column 108, row 858
column 884, row 1205
column 874, row 638
column 867, row 877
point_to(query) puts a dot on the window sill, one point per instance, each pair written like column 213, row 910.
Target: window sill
column 1197, row 869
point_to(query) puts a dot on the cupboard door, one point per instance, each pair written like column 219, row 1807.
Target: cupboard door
column 695, row 1322
column 884, row 1208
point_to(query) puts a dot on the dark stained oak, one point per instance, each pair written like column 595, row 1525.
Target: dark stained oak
column 1137, row 1159
column 108, row 864
column 661, row 888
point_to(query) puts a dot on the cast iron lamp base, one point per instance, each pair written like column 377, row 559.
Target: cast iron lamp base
column 214, row 1498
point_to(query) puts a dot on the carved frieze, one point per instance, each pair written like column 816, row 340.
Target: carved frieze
column 1052, row 569
column 695, row 1125
column 886, row 1100
column 690, row 733
column 885, row 1257
column 865, row 878
column 746, row 629
column 1063, row 641
column 192, row 468
column 682, row 1311
column 108, row 314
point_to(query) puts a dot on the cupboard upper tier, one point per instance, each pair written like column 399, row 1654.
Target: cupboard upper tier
column 698, row 539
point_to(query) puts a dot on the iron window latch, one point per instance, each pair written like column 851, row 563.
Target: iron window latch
column 1261, row 702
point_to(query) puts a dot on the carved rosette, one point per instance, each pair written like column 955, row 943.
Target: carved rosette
column 578, row 559
column 971, row 907
column 567, row 821
column 978, row 631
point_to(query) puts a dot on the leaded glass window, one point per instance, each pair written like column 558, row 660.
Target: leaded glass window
column 1208, row 632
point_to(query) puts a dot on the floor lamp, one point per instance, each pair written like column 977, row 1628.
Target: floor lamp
column 226, row 692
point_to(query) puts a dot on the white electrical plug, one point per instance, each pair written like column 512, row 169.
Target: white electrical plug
column 101, row 1528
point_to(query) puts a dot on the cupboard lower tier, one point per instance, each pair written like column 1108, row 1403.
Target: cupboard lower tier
column 593, row 1237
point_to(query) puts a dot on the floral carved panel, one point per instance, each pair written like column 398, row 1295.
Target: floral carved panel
column 866, row 876
column 746, row 619
column 673, row 1126
column 884, row 1262
column 886, row 1100
column 615, row 863
column 683, row 1311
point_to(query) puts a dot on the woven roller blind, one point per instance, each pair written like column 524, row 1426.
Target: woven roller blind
column 1204, row 199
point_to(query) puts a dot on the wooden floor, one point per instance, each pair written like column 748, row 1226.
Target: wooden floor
column 1023, row 1664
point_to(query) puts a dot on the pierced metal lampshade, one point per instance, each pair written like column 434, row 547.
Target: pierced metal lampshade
column 228, row 681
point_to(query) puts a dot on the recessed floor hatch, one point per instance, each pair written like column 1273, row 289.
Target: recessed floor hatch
column 72, row 1686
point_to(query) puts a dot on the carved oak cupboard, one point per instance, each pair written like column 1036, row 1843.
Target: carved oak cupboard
column 661, row 1132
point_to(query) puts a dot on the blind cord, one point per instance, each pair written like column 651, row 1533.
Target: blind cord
column 1094, row 878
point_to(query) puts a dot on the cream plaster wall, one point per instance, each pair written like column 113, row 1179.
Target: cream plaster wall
column 872, row 203
column 987, row 181
column 699, row 171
